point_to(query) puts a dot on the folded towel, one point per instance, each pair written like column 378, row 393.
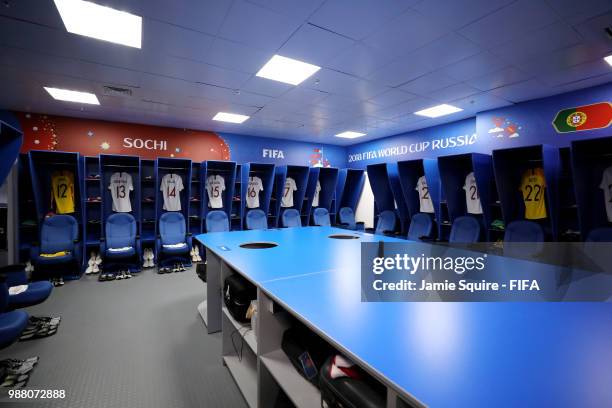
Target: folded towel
column 15, row 290
column 122, row 249
column 173, row 246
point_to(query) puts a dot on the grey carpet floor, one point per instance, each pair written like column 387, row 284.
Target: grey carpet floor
column 129, row 344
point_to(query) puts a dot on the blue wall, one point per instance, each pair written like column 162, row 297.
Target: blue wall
column 528, row 123
column 279, row 151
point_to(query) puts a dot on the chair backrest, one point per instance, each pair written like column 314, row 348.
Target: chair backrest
column 216, row 221
column 321, row 217
column 386, row 222
column 523, row 231
column 600, row 235
column 256, row 219
column 347, row 217
column 172, row 229
column 58, row 233
column 120, row 230
column 465, row 229
column 291, row 218
column 421, row 225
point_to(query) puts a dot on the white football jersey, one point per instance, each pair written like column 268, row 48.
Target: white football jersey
column 606, row 186
column 215, row 185
column 253, row 189
column 290, row 187
column 171, row 186
column 120, row 187
column 424, row 198
column 472, row 197
column 315, row 198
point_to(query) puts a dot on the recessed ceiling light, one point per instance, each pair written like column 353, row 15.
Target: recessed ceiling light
column 439, row 110
column 72, row 96
column 287, row 70
column 104, row 23
column 349, row 134
column 230, row 117
column 608, row 59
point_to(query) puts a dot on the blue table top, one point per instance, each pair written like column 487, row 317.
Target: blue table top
column 464, row 354
column 300, row 250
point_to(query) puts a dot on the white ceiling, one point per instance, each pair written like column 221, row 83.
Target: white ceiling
column 382, row 60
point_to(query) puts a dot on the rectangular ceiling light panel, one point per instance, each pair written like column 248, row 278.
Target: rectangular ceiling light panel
column 287, row 70
column 104, row 23
column 72, row 96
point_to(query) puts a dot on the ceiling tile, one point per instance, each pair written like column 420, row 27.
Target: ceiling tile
column 266, row 87
column 405, row 33
column 357, row 18
column 405, row 108
column 170, row 39
column 499, row 78
column 509, row 22
column 300, row 9
column 256, row 26
column 575, row 13
column 577, row 73
column 335, row 82
column 392, row 97
column 456, row 14
column 522, row 91
column 444, row 51
column 428, row 83
column 359, row 60
column 314, row 45
column 563, row 58
column 481, row 102
column 304, row 95
column 474, row 66
column 453, row 92
column 236, row 56
column 400, row 71
column 538, row 42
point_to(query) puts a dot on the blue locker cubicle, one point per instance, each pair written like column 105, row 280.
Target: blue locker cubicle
column 266, row 173
column 328, row 179
column 509, row 166
column 349, row 188
column 227, row 170
column 42, row 165
column 300, row 175
column 28, row 218
column 386, row 187
column 92, row 208
column 195, row 200
column 453, row 172
column 149, row 187
column 589, row 159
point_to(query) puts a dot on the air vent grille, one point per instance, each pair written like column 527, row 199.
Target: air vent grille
column 117, row 91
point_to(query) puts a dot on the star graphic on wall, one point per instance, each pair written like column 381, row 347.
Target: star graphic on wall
column 35, row 128
column 178, row 149
column 105, row 146
column 90, row 133
column 36, row 141
column 171, row 154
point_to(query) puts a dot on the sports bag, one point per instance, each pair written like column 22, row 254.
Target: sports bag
column 237, row 295
column 354, row 390
column 306, row 351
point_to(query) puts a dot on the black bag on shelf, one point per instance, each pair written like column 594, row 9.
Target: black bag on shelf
column 305, row 349
column 237, row 295
column 201, row 271
column 344, row 392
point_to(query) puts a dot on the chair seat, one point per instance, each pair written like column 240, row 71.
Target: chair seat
column 122, row 253
column 175, row 249
column 43, row 260
column 11, row 326
column 37, row 292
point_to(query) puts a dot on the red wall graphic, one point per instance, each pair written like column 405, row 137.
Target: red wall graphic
column 92, row 137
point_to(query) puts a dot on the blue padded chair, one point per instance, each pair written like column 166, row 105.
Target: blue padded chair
column 216, row 221
column 12, row 323
column 347, row 219
column 291, row 218
column 465, row 230
column 121, row 243
column 421, row 227
column 256, row 219
column 320, row 217
column 57, row 233
column 599, row 235
column 172, row 232
column 524, row 232
column 37, row 292
column 386, row 223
